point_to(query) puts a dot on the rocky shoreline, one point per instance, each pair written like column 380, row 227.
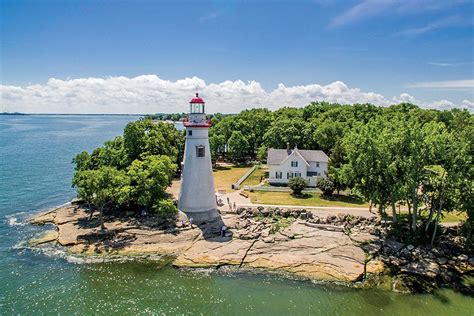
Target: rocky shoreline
column 344, row 248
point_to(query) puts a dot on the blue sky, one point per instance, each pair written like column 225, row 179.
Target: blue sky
column 422, row 49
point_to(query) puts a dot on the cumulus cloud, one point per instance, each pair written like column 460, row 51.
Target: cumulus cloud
column 151, row 94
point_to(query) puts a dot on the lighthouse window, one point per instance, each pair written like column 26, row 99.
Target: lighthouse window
column 200, row 151
column 190, row 133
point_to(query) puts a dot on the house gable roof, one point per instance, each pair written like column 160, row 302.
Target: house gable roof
column 277, row 156
column 293, row 153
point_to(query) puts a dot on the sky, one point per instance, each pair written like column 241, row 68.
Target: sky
column 152, row 56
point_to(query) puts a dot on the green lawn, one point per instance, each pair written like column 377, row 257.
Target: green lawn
column 448, row 217
column 254, row 178
column 224, row 177
column 309, row 199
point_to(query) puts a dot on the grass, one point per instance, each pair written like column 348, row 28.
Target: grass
column 224, row 177
column 308, row 199
column 448, row 217
column 254, row 178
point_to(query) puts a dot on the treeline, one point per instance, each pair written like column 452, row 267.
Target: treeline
column 131, row 172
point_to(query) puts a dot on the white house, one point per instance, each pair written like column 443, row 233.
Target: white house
column 284, row 164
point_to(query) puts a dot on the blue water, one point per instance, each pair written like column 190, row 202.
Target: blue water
column 35, row 174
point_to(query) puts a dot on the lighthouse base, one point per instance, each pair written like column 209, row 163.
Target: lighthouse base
column 201, row 217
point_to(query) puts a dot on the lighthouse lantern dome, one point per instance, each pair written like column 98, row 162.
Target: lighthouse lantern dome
column 196, row 105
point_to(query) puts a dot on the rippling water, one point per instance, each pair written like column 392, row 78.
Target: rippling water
column 35, row 174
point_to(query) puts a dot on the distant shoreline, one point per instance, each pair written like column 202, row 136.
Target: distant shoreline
column 73, row 114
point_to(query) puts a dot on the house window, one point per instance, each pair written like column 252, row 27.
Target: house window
column 317, row 164
column 190, row 133
column 289, row 175
column 294, row 163
column 297, row 174
column 200, row 151
column 278, row 175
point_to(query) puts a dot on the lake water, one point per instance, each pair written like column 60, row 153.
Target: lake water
column 35, row 174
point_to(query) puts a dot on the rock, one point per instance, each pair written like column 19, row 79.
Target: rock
column 412, row 284
column 393, row 246
column 423, row 268
column 43, row 218
column 405, row 253
column 318, row 254
column 375, row 267
column 354, row 221
column 442, row 260
column 70, row 213
column 268, row 240
column 471, row 261
column 46, row 237
column 451, row 262
column 410, row 247
column 213, row 252
column 462, row 258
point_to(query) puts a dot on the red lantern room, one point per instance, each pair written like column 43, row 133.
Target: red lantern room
column 196, row 105
column 197, row 115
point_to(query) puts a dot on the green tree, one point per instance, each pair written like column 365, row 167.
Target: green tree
column 145, row 137
column 103, row 187
column 149, row 179
column 237, row 145
column 326, row 186
column 297, row 185
column 216, row 144
column 165, row 208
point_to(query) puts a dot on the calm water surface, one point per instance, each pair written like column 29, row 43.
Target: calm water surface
column 35, row 174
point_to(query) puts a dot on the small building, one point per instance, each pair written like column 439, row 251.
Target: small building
column 284, row 164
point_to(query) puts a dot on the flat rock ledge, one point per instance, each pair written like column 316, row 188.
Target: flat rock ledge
column 336, row 248
column 300, row 248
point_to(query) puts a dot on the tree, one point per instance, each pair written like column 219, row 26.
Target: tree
column 283, row 131
column 325, row 185
column 102, row 187
column 216, row 145
column 145, row 137
column 335, row 171
column 165, row 208
column 149, row 179
column 297, row 185
column 238, row 145
column 262, row 154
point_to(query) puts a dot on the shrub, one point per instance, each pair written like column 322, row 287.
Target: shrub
column 297, row 185
column 325, row 185
column 166, row 208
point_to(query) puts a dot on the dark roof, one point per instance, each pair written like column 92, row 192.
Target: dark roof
column 276, row 156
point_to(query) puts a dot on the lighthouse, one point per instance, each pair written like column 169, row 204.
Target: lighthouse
column 197, row 197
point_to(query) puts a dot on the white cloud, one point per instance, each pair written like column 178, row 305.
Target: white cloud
column 448, row 84
column 151, row 94
column 449, row 64
column 370, row 8
column 468, row 104
column 405, row 98
column 438, row 24
column 362, row 10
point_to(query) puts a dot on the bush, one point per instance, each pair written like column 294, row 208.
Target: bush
column 166, row 208
column 325, row 185
column 297, row 185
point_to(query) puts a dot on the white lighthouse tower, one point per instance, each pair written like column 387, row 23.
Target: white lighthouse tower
column 197, row 197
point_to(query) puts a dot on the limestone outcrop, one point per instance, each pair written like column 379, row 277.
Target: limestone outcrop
column 335, row 248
